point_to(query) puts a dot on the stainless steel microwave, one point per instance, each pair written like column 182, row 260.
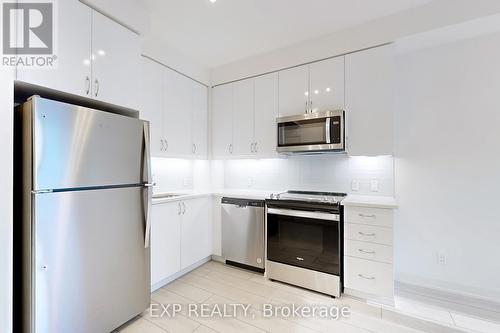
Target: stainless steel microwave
column 312, row 132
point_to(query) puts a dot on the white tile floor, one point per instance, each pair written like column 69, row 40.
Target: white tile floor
column 218, row 284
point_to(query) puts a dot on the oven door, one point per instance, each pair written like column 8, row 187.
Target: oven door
column 311, row 132
column 304, row 239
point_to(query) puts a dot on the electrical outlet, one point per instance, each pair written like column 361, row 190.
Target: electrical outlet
column 374, row 185
column 187, row 182
column 355, row 185
column 441, row 258
column 250, row 182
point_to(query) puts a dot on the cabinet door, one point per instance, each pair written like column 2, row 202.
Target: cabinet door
column 222, row 120
column 369, row 101
column 196, row 231
column 116, row 62
column 200, row 120
column 266, row 111
column 73, row 73
column 165, row 241
column 293, row 91
column 243, row 117
column 152, row 103
column 178, row 114
column 326, row 85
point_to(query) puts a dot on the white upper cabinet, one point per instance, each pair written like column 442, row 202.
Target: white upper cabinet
column 243, row 117
column 73, row 72
column 294, row 91
column 152, row 104
column 96, row 58
column 200, row 120
column 326, row 85
column 266, row 112
column 177, row 109
column 165, row 241
column 312, row 88
column 369, row 101
column 177, row 114
column 115, row 62
column 222, row 120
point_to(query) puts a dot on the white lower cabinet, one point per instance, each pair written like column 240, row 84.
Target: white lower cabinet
column 368, row 253
column 181, row 235
column 196, row 231
column 165, row 241
column 369, row 276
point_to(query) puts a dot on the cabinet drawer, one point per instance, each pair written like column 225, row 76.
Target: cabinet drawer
column 370, row 251
column 369, row 276
column 368, row 233
column 368, row 215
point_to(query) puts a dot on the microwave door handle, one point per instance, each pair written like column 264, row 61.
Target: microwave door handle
column 327, row 130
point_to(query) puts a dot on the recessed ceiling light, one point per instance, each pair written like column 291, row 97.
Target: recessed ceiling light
column 212, row 1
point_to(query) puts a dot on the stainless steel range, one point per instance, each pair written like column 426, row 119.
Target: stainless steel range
column 305, row 240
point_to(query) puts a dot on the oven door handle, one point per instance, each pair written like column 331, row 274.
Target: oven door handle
column 305, row 214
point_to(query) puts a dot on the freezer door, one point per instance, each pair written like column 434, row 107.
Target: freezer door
column 91, row 270
column 77, row 147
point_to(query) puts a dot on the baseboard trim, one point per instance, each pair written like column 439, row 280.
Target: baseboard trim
column 218, row 259
column 177, row 275
column 441, row 297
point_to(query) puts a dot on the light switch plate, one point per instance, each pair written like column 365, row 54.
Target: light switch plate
column 374, row 185
column 355, row 185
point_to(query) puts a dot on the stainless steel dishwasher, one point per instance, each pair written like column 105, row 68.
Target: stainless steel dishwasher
column 243, row 233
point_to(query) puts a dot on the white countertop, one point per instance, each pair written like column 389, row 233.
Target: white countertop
column 350, row 200
column 159, row 198
column 245, row 194
column 369, row 201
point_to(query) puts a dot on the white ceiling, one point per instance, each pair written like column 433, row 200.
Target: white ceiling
column 229, row 30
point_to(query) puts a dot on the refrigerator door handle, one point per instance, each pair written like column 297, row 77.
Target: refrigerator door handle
column 148, row 186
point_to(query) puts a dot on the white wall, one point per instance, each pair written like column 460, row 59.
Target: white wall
column 6, row 138
column 332, row 173
column 130, row 13
column 431, row 16
column 448, row 166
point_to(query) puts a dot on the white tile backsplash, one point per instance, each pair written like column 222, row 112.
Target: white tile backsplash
column 172, row 174
column 321, row 172
column 316, row 173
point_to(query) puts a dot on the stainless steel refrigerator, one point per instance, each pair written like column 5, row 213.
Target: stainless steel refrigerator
column 82, row 236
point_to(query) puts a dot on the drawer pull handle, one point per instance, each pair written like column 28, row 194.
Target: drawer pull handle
column 368, row 235
column 367, row 252
column 368, row 216
column 300, row 259
column 366, row 277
